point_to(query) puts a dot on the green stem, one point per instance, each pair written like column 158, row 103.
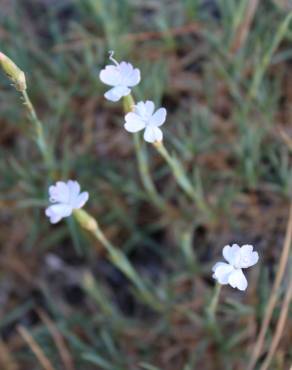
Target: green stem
column 214, row 302
column 264, row 63
column 211, row 313
column 182, row 179
column 142, row 161
column 145, row 174
column 39, row 133
column 87, row 222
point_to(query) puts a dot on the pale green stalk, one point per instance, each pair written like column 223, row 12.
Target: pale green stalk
column 89, row 223
column 214, row 302
column 211, row 313
column 263, row 65
column 17, row 77
column 38, row 129
column 182, row 179
column 175, row 166
column 145, row 174
column 142, row 160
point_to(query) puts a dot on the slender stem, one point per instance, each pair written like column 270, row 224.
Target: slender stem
column 280, row 327
column 174, row 164
column 214, row 302
column 35, row 348
column 117, row 257
column 264, row 63
column 145, row 174
column 39, row 133
column 211, row 313
column 122, row 262
column 182, row 179
column 141, row 156
column 258, row 346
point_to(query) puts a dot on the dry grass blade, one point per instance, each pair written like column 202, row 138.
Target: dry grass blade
column 6, row 360
column 191, row 28
column 36, row 349
column 176, row 31
column 274, row 294
column 243, row 29
column 59, row 340
column 286, row 138
column 279, row 328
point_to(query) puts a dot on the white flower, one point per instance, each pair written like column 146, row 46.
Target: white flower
column 66, row 197
column 238, row 258
column 143, row 117
column 121, row 76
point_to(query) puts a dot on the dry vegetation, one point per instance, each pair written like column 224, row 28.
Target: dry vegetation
column 223, row 70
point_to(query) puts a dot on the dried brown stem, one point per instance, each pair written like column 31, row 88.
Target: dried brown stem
column 36, row 349
column 274, row 294
column 59, row 340
column 280, row 327
column 243, row 29
column 6, row 360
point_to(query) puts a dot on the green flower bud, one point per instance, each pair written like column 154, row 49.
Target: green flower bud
column 128, row 103
column 15, row 74
column 85, row 220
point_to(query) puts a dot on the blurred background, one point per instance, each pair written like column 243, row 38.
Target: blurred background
column 222, row 68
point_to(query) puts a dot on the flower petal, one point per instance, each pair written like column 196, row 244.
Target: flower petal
column 152, row 134
column 248, row 258
column 238, row 280
column 74, row 190
column 222, row 272
column 130, row 75
column 149, row 108
column 158, row 117
column 110, row 75
column 125, row 68
column 140, row 110
column 232, row 254
column 145, row 109
column 133, row 122
column 58, row 211
column 116, row 93
column 59, row 192
column 217, row 264
column 81, row 200
column 133, row 78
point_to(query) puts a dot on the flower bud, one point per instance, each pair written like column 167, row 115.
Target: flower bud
column 15, row 74
column 85, row 220
column 128, row 103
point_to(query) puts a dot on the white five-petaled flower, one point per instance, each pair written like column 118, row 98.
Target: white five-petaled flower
column 66, row 197
column 143, row 117
column 238, row 258
column 122, row 76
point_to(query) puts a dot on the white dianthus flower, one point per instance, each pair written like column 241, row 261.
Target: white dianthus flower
column 143, row 117
column 122, row 76
column 66, row 197
column 238, row 258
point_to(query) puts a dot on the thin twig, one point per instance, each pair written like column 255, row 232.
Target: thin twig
column 36, row 349
column 59, row 340
column 274, row 294
column 286, row 138
column 6, row 360
column 243, row 29
column 279, row 328
column 38, row 130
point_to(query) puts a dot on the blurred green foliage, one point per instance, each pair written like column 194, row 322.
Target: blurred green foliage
column 227, row 112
